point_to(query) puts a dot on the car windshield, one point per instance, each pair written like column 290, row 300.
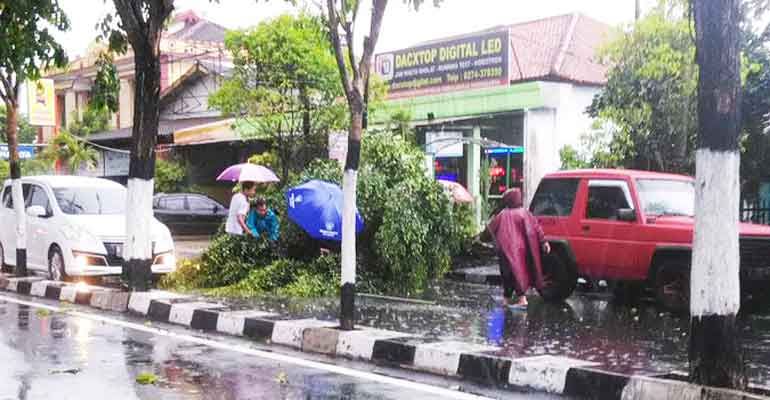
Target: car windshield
column 91, row 200
column 667, row 197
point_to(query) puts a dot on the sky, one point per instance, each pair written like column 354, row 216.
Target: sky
column 402, row 27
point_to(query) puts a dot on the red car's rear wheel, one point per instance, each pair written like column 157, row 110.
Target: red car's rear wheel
column 559, row 277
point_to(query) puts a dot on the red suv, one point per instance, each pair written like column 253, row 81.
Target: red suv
column 624, row 225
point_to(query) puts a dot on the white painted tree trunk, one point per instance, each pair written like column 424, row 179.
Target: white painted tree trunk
column 349, row 184
column 21, row 222
column 138, row 245
column 715, row 283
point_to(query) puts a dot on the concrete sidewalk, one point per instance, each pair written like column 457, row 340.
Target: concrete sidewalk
column 479, row 363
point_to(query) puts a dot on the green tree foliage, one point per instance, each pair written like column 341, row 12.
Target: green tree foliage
column 94, row 120
column 27, row 47
column 601, row 147
column 71, row 151
column 27, row 133
column 411, row 227
column 286, row 85
column 170, row 176
column 755, row 144
column 647, row 111
column 105, row 93
column 649, row 101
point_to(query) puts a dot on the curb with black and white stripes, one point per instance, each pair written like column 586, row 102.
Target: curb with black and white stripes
column 473, row 362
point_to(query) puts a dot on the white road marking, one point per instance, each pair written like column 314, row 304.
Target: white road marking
column 434, row 390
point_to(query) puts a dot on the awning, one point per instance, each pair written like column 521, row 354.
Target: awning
column 220, row 131
column 166, row 129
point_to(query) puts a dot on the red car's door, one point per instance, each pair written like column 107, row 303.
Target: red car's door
column 607, row 243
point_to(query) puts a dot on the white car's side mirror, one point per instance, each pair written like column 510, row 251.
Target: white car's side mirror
column 36, row 211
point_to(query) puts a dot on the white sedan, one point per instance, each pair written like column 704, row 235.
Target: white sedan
column 76, row 226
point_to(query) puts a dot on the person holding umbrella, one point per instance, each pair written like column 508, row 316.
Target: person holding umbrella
column 239, row 209
column 262, row 221
column 248, row 175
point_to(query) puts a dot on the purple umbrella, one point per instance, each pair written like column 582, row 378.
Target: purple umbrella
column 248, row 172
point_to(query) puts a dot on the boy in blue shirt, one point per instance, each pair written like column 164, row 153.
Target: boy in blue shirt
column 262, row 221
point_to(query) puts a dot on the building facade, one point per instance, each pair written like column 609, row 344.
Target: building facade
column 506, row 99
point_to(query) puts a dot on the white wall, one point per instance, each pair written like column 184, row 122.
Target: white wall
column 192, row 101
column 561, row 121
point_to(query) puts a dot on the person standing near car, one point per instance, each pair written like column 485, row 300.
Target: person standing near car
column 239, row 209
column 519, row 240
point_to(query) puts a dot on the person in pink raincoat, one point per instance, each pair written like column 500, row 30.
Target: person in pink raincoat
column 519, row 240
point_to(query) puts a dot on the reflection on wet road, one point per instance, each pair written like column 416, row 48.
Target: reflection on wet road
column 52, row 355
column 638, row 338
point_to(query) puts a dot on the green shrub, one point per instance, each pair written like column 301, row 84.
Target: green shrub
column 312, row 284
column 288, row 277
column 230, row 259
column 169, row 176
column 263, row 280
column 186, row 277
column 411, row 228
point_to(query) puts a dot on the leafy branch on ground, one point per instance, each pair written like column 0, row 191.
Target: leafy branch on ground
column 412, row 231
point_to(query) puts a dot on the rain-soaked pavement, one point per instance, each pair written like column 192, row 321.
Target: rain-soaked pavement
column 61, row 356
column 639, row 338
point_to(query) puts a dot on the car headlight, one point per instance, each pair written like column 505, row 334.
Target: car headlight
column 168, row 259
column 84, row 260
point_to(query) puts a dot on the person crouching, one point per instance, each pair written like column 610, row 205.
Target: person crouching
column 262, row 221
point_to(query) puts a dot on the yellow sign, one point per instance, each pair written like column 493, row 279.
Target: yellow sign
column 41, row 100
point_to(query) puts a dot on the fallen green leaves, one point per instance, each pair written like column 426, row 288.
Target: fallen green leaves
column 146, row 378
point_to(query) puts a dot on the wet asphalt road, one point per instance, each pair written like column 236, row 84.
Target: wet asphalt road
column 639, row 338
column 61, row 356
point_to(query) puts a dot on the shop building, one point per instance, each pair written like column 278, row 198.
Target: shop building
column 507, row 98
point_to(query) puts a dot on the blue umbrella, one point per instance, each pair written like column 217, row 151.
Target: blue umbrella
column 316, row 206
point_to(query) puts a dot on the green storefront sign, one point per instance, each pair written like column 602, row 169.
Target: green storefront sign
column 465, row 104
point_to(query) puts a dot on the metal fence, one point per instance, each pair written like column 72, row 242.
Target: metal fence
column 756, row 211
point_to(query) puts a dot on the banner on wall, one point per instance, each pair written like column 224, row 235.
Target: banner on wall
column 26, row 152
column 41, row 101
column 463, row 63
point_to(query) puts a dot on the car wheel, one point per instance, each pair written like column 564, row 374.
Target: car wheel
column 559, row 277
column 56, row 270
column 672, row 285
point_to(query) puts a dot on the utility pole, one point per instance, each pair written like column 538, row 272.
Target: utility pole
column 637, row 10
column 715, row 354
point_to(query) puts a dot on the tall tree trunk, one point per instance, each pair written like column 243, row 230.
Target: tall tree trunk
column 637, row 10
column 138, row 246
column 349, row 187
column 715, row 354
column 11, row 134
column 355, row 83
